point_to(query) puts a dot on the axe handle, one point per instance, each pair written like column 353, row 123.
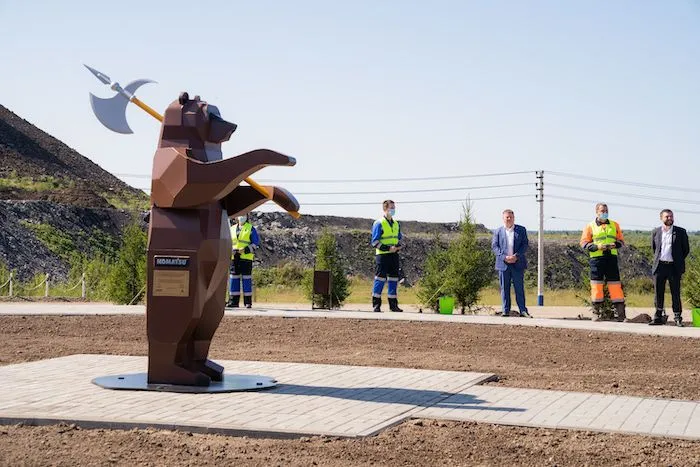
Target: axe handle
column 148, row 109
column 259, row 188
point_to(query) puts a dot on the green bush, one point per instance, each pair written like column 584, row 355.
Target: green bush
column 327, row 258
column 4, row 276
column 127, row 278
column 691, row 279
column 462, row 270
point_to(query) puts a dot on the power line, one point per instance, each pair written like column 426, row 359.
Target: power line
column 568, row 198
column 368, row 180
column 428, row 190
column 618, row 193
column 417, row 202
column 624, row 182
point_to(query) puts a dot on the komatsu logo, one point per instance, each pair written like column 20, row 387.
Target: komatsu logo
column 172, row 261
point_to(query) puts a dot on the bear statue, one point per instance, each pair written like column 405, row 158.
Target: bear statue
column 194, row 191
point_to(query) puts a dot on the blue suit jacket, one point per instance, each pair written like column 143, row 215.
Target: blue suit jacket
column 500, row 248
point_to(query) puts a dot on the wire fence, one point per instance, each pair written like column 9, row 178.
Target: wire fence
column 14, row 288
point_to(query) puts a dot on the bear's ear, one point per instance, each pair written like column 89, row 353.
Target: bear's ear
column 184, row 98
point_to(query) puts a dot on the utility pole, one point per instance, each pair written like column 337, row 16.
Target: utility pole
column 540, row 239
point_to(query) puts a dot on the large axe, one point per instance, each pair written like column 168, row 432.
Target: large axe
column 112, row 114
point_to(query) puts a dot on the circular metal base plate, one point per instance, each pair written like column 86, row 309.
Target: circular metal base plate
column 230, row 383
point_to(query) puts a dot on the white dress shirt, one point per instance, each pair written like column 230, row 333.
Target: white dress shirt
column 510, row 234
column 666, row 242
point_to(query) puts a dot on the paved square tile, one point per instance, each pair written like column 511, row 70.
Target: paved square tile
column 310, row 399
column 571, row 410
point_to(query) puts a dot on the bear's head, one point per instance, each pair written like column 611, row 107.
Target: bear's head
column 194, row 124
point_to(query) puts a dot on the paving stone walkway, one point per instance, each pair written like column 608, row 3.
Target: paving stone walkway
column 314, row 399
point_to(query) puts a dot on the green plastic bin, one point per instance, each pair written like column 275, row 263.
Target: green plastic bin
column 446, row 305
column 695, row 314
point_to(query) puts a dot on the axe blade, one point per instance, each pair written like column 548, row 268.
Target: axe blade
column 112, row 112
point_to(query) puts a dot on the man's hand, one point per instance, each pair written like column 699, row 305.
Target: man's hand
column 393, row 249
column 510, row 259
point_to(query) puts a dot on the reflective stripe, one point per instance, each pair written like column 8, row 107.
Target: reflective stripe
column 247, row 294
column 238, row 276
column 236, row 293
column 247, row 277
column 376, row 295
column 392, row 279
column 381, row 279
column 597, row 282
column 391, row 296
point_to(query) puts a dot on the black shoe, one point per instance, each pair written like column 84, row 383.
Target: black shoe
column 249, row 305
column 658, row 319
column 620, row 312
column 231, row 304
column 505, row 314
column 679, row 321
column 377, row 304
column 394, row 305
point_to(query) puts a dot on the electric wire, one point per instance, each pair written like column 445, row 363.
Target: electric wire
column 465, row 199
column 618, row 193
column 369, row 180
column 623, row 182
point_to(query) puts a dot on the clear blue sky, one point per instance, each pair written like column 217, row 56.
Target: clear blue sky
column 385, row 89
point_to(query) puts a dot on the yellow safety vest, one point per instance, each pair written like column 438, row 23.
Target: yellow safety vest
column 241, row 239
column 390, row 235
column 603, row 233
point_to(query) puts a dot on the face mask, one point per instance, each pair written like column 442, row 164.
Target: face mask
column 603, row 216
column 241, row 219
column 392, row 212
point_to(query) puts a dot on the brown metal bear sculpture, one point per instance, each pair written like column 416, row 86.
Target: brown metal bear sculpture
column 193, row 193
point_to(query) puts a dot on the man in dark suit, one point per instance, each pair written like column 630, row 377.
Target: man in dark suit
column 509, row 244
column 670, row 246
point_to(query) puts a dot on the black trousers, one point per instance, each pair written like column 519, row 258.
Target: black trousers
column 387, row 265
column 666, row 272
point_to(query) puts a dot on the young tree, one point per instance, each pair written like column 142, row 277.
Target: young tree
column 434, row 280
column 127, row 278
column 462, row 270
column 327, row 258
column 691, row 279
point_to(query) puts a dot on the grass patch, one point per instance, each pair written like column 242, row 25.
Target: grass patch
column 127, row 201
column 38, row 184
column 361, row 293
column 59, row 243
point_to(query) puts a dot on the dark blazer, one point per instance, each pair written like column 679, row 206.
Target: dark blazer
column 500, row 247
column 679, row 248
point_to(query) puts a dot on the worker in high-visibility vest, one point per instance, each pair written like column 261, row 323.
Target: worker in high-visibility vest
column 386, row 238
column 245, row 240
column 602, row 238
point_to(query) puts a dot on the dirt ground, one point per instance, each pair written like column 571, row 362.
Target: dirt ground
column 521, row 356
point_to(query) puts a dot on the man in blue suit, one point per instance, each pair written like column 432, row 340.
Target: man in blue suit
column 509, row 244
